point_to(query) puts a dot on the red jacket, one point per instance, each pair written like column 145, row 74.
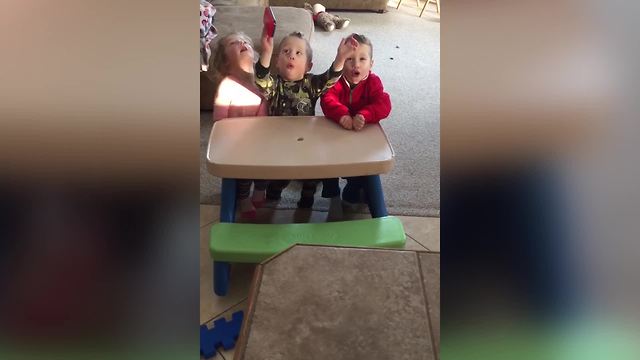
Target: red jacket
column 367, row 98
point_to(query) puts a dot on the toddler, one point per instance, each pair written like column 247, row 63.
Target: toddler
column 294, row 92
column 357, row 99
column 237, row 96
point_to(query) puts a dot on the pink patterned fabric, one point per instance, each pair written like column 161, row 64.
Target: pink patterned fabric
column 207, row 32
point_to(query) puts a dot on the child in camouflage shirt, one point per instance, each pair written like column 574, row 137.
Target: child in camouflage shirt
column 294, row 92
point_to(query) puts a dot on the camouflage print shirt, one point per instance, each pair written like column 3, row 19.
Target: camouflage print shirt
column 294, row 98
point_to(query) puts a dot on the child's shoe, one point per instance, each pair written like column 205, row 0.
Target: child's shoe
column 354, row 197
column 307, row 194
column 351, row 194
column 365, row 198
column 273, row 195
column 247, row 210
column 249, row 215
column 335, row 209
column 258, row 198
column 305, row 202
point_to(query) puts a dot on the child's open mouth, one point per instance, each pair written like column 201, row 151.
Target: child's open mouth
column 356, row 73
column 290, row 66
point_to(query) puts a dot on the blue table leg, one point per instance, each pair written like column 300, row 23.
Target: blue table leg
column 228, row 201
column 221, row 269
column 373, row 188
column 221, row 276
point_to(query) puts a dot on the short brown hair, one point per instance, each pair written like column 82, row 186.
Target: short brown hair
column 299, row 35
column 365, row 41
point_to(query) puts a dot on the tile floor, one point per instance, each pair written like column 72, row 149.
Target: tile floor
column 423, row 233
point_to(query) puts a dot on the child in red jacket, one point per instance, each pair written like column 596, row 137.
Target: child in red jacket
column 357, row 99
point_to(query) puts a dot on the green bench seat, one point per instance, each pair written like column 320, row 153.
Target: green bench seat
column 253, row 243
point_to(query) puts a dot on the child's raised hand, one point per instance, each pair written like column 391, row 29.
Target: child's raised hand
column 267, row 42
column 358, row 122
column 346, row 48
column 267, row 49
column 346, row 122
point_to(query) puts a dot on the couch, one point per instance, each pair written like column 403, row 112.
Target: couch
column 373, row 5
column 248, row 19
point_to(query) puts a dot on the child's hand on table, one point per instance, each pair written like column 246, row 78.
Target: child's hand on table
column 358, row 122
column 347, row 122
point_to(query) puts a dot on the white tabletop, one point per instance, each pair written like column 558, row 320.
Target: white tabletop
column 295, row 147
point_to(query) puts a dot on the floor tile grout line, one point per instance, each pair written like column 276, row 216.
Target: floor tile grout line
column 207, row 224
column 426, row 303
column 425, row 246
column 210, row 223
column 418, row 242
column 221, row 355
column 225, row 310
column 215, row 217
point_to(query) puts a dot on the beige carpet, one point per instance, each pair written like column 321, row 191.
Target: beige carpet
column 407, row 59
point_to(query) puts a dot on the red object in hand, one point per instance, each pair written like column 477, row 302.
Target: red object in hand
column 269, row 22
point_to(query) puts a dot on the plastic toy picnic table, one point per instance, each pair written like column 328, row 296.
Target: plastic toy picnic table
column 294, row 147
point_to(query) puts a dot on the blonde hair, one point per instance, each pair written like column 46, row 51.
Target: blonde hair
column 218, row 64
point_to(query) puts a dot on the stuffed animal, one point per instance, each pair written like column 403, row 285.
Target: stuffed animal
column 323, row 19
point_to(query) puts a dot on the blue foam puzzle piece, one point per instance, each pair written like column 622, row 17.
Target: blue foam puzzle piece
column 207, row 342
column 223, row 333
